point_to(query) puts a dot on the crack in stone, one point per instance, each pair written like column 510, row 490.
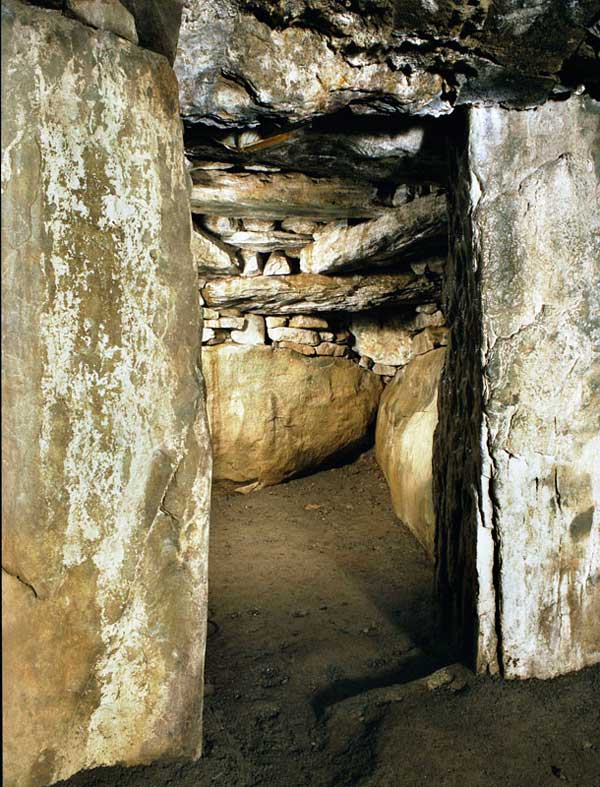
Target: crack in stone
column 22, row 581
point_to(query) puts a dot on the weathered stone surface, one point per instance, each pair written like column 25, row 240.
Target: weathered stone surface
column 518, row 446
column 213, row 258
column 244, row 62
column 264, row 241
column 307, row 293
column 274, row 413
column 308, row 321
column 108, row 15
column 277, row 265
column 293, row 73
column 276, row 196
column 406, row 422
column 106, row 453
column 399, row 232
column 296, row 335
column 393, row 340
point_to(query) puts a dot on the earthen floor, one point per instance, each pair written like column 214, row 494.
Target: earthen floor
column 317, row 595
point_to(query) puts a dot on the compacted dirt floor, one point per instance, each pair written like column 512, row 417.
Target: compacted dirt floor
column 322, row 633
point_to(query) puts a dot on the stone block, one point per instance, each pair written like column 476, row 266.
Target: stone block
column 106, row 520
column 296, row 335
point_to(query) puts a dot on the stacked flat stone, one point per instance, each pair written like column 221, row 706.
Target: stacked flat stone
column 376, row 343
column 230, row 325
column 241, row 261
column 252, row 246
column 310, row 335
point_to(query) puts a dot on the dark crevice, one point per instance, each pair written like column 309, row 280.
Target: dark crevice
column 22, row 581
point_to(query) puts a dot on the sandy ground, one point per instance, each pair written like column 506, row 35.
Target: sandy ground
column 320, row 600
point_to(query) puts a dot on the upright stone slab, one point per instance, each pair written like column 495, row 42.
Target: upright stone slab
column 106, row 455
column 406, row 422
column 517, row 453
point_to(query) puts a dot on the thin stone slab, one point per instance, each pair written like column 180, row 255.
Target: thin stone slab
column 307, row 293
column 280, row 195
column 265, row 241
column 398, row 232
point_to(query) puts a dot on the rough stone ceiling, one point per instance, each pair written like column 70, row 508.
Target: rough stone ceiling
column 245, row 63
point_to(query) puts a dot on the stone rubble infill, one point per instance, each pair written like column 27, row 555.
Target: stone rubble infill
column 376, row 342
column 301, row 226
column 258, row 225
column 212, row 257
column 229, row 323
column 330, row 348
column 220, row 225
column 252, row 264
column 392, row 340
column 384, row 370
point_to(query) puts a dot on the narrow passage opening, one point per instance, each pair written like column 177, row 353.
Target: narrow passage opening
column 321, row 272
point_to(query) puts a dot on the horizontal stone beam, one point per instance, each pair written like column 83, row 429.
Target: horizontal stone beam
column 280, row 195
column 400, row 231
column 275, row 240
column 307, row 293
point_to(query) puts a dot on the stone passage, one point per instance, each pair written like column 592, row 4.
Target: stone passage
column 518, row 449
column 106, row 454
column 319, row 294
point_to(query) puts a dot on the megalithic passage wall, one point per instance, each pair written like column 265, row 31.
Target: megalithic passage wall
column 517, row 454
column 106, row 452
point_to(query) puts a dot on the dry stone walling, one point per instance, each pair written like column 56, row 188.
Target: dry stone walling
column 296, row 348
column 106, row 457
